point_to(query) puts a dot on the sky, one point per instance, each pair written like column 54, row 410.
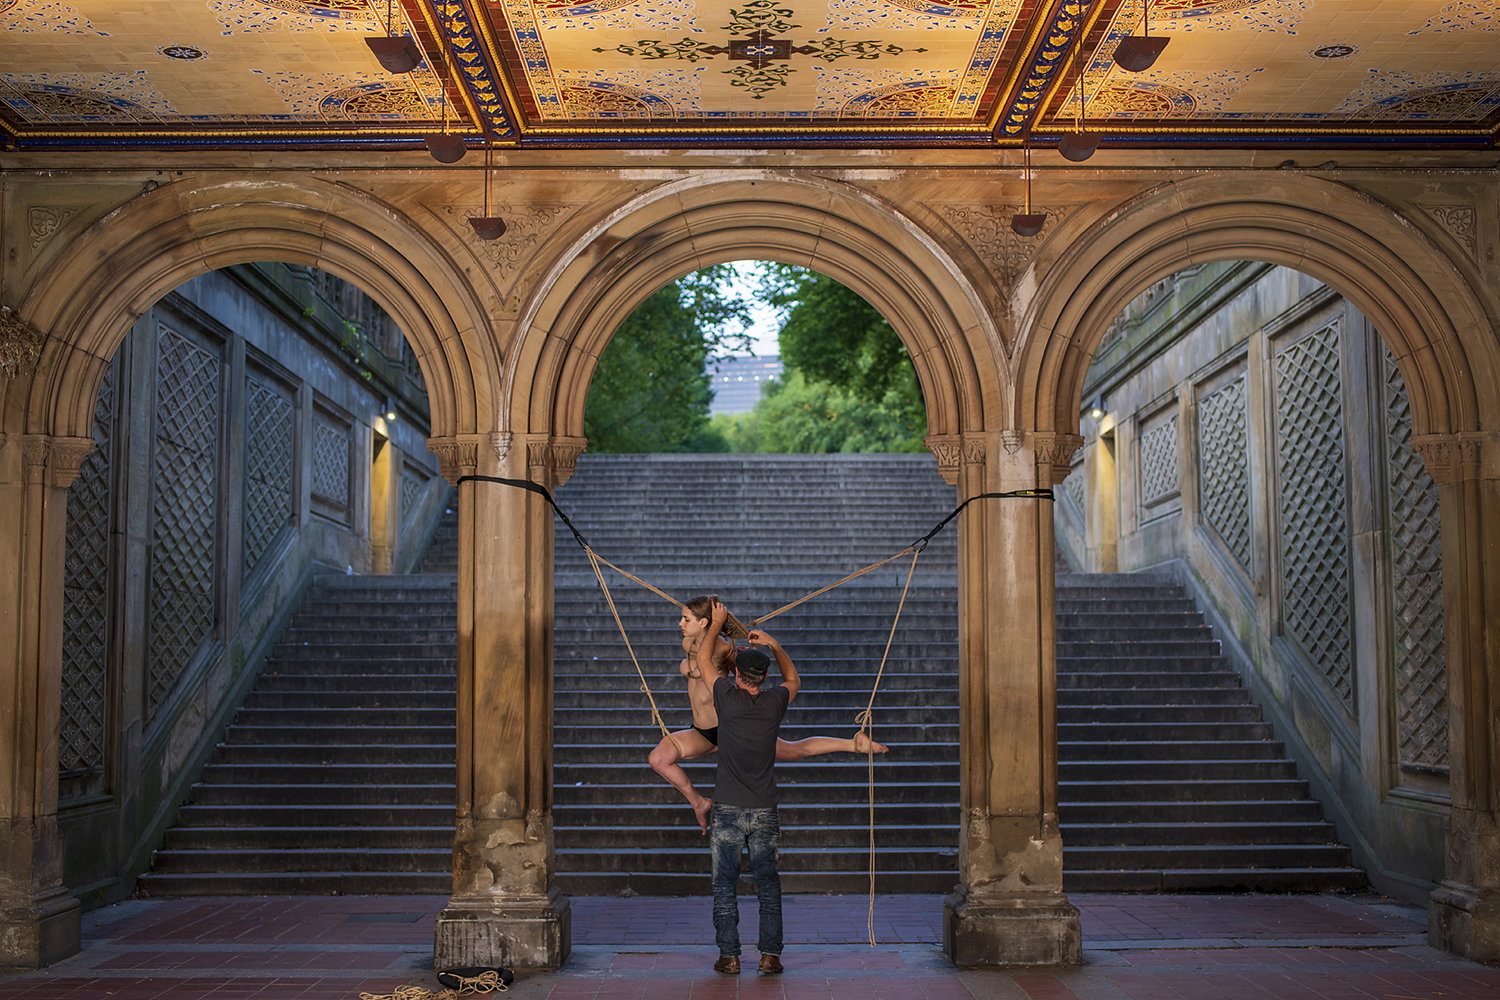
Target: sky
column 765, row 323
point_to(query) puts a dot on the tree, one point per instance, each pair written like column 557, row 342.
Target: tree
column 850, row 384
column 651, row 390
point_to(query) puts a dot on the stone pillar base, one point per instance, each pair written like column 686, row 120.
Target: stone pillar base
column 1465, row 921
column 533, row 932
column 43, row 933
column 1020, row 929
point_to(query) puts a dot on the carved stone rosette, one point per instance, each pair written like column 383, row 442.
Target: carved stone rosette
column 1451, row 458
column 53, row 460
column 1054, row 455
column 20, row 344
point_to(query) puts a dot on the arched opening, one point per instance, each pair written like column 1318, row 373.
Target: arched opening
column 261, row 454
column 1256, row 434
column 1411, row 292
column 761, row 530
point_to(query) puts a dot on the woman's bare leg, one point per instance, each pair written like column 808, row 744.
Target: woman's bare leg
column 815, row 746
column 663, row 760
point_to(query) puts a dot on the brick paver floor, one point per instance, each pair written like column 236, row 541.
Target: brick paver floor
column 1189, row 947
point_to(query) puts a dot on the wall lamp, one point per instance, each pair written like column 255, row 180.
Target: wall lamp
column 1096, row 408
column 390, row 408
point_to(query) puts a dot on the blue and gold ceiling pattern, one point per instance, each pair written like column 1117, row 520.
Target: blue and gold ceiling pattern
column 298, row 73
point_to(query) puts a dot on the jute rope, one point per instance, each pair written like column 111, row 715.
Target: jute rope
column 866, row 720
column 488, row 981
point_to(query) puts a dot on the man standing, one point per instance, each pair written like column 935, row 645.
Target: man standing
column 744, row 801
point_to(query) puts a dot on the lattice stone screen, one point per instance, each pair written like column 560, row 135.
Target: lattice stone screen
column 184, row 511
column 270, row 453
column 330, row 472
column 86, row 567
column 1416, row 590
column 1312, row 505
column 1224, row 467
column 410, row 495
column 1159, row 483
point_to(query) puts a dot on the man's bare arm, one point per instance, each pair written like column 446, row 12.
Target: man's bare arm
column 790, row 679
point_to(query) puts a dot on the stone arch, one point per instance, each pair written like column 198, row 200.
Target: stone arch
column 1422, row 308
column 680, row 227
column 87, row 300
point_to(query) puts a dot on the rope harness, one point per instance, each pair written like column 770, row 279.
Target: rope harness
column 865, row 719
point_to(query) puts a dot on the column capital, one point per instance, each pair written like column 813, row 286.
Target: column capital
column 20, row 344
column 468, row 454
column 1054, row 455
column 1452, row 458
column 551, row 460
column 53, row 461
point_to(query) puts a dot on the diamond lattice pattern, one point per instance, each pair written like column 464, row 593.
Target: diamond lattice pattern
column 331, row 463
column 1224, row 467
column 269, row 445
column 184, row 511
column 1159, row 462
column 1313, row 506
column 86, row 596
column 411, row 495
column 1416, row 589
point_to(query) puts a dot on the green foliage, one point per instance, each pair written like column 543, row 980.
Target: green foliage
column 849, row 385
column 798, row 415
column 650, row 391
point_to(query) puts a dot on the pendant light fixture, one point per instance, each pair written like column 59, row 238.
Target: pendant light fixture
column 1027, row 223
column 1079, row 145
column 445, row 148
column 397, row 53
column 487, row 226
column 1137, row 52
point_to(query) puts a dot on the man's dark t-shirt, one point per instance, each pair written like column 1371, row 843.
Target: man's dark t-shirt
column 748, row 724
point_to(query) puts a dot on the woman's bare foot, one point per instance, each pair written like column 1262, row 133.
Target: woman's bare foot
column 701, row 810
column 863, row 744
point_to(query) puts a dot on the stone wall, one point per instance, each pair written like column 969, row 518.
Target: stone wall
column 245, row 441
column 1255, row 435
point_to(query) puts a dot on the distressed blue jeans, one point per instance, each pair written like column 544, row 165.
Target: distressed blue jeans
column 758, row 831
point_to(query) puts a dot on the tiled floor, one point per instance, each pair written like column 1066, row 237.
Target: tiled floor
column 1242, row 947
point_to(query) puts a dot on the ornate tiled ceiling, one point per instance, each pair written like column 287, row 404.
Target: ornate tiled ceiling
column 1247, row 73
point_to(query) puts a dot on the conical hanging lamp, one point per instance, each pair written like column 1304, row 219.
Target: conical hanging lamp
column 397, row 53
column 487, row 226
column 1027, row 223
column 445, row 148
column 1079, row 145
column 1137, row 52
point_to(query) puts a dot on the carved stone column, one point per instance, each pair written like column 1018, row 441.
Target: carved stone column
column 1009, row 907
column 505, row 909
column 1464, row 914
column 38, row 917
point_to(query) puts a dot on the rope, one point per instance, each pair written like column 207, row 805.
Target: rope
column 866, row 720
column 837, row 583
column 610, row 600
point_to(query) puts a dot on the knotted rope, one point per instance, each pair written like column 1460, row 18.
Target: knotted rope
column 488, row 981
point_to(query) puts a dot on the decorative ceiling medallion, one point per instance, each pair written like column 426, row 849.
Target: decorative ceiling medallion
column 182, row 52
column 1334, row 51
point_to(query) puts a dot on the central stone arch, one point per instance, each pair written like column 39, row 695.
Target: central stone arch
column 1009, row 908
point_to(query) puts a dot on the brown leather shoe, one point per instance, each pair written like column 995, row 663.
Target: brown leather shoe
column 728, row 964
column 770, row 965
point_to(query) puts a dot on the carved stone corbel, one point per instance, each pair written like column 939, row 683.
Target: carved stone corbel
column 1451, row 458
column 53, row 460
column 1054, row 455
column 456, row 456
column 20, row 344
column 948, row 449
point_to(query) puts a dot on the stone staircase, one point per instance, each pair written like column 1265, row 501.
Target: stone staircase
column 337, row 774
